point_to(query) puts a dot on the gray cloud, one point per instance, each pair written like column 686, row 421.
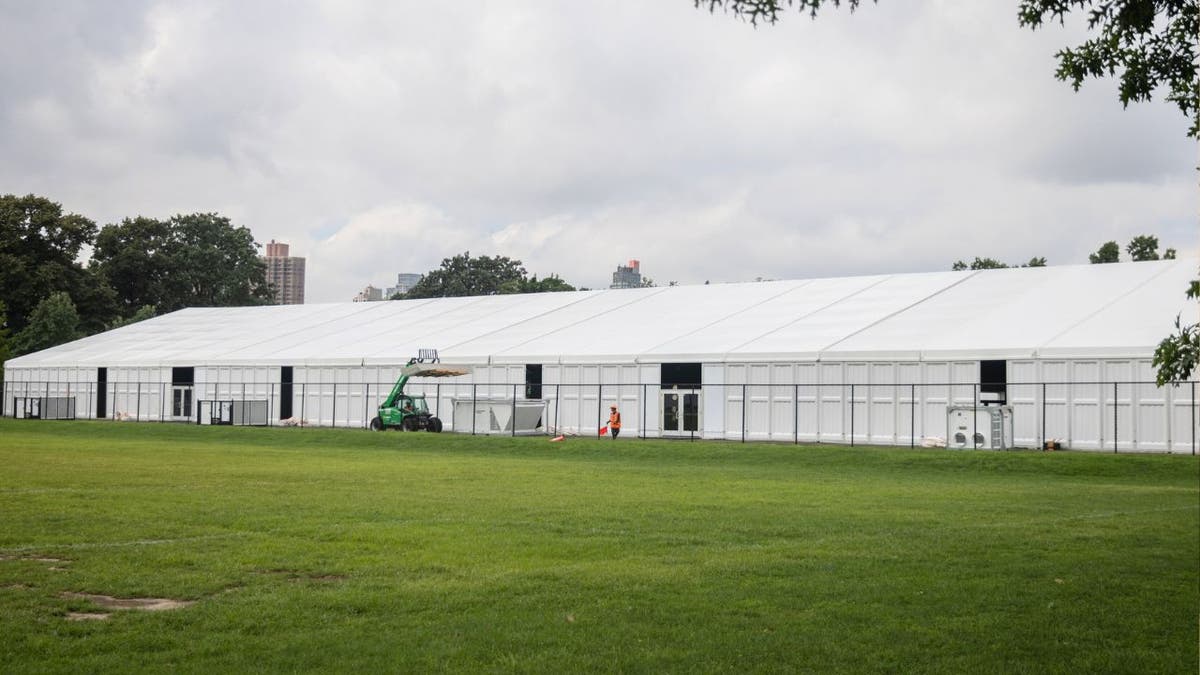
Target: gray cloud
column 381, row 137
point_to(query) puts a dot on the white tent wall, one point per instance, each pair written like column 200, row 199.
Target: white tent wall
column 1086, row 404
column 865, row 360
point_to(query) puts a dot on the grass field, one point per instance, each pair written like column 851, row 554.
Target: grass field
column 328, row 550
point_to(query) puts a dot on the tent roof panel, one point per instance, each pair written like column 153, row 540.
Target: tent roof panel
column 1120, row 310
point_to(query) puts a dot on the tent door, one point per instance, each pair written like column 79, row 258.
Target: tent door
column 181, row 403
column 680, row 412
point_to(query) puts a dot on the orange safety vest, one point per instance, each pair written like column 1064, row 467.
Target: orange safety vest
column 614, row 420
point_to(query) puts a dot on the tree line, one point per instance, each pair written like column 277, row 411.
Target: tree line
column 138, row 268
column 1140, row 248
column 464, row 275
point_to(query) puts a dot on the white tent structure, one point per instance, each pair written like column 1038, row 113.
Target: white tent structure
column 873, row 359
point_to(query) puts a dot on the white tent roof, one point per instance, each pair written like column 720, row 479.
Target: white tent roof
column 1085, row 311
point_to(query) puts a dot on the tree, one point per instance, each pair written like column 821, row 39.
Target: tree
column 463, row 275
column 1178, row 355
column 1144, row 247
column 767, row 11
column 4, row 348
column 39, row 251
column 53, row 322
column 143, row 313
column 214, row 264
column 134, row 257
column 551, row 284
column 195, row 260
column 1151, row 43
column 1108, row 252
column 978, row 264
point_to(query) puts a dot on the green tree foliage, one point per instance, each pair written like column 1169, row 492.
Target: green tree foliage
column 551, row 284
column 195, row 260
column 135, row 258
column 4, row 343
column 1144, row 247
column 979, row 264
column 993, row 264
column 39, row 251
column 1150, row 43
column 463, row 275
column 53, row 322
column 1178, row 354
column 143, row 313
column 1108, row 252
column 1144, row 43
column 767, row 11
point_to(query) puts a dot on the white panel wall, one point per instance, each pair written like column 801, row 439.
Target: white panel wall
column 1072, row 401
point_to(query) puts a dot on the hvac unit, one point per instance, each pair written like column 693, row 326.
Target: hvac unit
column 984, row 427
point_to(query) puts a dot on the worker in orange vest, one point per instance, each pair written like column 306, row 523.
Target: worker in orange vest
column 614, row 421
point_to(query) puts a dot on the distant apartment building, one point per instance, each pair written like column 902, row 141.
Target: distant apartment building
column 627, row 276
column 369, row 294
column 404, row 281
column 285, row 274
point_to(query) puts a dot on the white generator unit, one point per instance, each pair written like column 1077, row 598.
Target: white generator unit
column 987, row 427
column 498, row 416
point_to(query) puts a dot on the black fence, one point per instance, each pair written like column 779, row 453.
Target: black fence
column 1097, row 415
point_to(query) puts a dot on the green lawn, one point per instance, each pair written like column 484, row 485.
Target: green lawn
column 338, row 550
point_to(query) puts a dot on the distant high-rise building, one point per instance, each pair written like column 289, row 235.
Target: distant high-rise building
column 369, row 294
column 628, row 276
column 285, row 274
column 404, row 281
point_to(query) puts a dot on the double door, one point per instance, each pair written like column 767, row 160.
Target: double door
column 680, row 412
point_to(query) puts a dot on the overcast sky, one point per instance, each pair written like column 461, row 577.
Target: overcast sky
column 381, row 137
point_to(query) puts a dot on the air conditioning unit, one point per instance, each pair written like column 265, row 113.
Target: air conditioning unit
column 984, row 428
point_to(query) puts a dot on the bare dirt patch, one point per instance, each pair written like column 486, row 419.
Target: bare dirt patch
column 33, row 558
column 143, row 604
column 86, row 616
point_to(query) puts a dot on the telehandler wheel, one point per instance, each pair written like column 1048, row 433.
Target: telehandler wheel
column 410, row 423
column 434, row 425
column 376, row 424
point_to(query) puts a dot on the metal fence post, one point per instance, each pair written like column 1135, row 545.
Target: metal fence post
column 270, row 404
column 743, row 413
column 474, row 388
column 162, row 400
column 303, row 399
column 137, row 415
column 557, row 388
column 599, row 406
column 1115, row 415
column 795, row 414
column 642, row 417
column 974, row 416
column 851, row 413
column 1043, row 415
column 333, row 413
column 912, row 415
column 513, row 419
column 1193, row 406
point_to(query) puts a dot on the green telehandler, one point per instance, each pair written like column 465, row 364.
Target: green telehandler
column 409, row 411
